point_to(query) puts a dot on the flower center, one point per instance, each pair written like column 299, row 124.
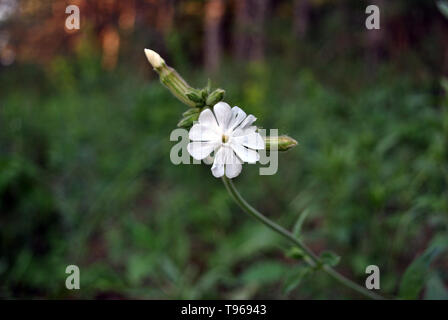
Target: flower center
column 225, row 138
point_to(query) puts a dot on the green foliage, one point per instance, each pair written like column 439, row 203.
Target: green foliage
column 295, row 277
column 435, row 289
column 416, row 274
column 85, row 179
column 266, row 272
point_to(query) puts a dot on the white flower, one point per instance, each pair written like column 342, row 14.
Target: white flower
column 229, row 133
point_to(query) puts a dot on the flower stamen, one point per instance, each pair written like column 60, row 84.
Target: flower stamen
column 225, row 138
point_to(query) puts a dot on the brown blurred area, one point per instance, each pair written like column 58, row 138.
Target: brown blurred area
column 33, row 30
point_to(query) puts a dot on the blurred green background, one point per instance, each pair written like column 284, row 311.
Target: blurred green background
column 85, row 173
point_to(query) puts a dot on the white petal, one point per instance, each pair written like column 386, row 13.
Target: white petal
column 238, row 115
column 218, row 170
column 207, row 118
column 208, row 160
column 223, row 114
column 245, row 154
column 200, row 150
column 238, row 132
column 218, row 163
column 233, row 167
column 201, row 132
column 223, row 155
column 244, row 132
column 247, row 122
column 252, row 140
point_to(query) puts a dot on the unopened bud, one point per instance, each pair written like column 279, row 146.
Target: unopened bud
column 196, row 97
column 281, row 143
column 191, row 111
column 170, row 78
column 187, row 122
column 215, row 97
column 154, row 59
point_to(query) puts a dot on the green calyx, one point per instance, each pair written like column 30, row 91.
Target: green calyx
column 188, row 118
column 204, row 98
column 199, row 99
column 214, row 97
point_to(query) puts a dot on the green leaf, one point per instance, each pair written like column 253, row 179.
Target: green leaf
column 435, row 289
column 299, row 223
column 416, row 274
column 444, row 84
column 443, row 7
column 330, row 258
column 295, row 278
column 138, row 267
column 264, row 272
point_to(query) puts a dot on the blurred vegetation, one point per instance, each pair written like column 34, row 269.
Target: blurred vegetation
column 85, row 175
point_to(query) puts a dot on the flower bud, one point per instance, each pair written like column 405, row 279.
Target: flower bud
column 281, row 143
column 154, row 59
column 196, row 98
column 191, row 111
column 215, row 97
column 170, row 78
column 187, row 121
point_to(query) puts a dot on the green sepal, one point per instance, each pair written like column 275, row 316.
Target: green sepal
column 188, row 121
column 208, row 88
column 196, row 97
column 215, row 97
column 204, row 94
column 191, row 111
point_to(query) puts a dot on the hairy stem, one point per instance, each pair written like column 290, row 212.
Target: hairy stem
column 311, row 258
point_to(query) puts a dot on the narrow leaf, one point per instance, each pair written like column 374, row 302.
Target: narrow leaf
column 443, row 7
column 416, row 274
column 295, row 278
column 299, row 223
column 435, row 289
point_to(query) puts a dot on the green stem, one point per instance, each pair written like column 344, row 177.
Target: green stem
column 312, row 259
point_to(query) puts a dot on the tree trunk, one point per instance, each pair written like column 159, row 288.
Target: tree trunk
column 301, row 18
column 165, row 16
column 259, row 17
column 240, row 45
column 250, row 18
column 214, row 11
